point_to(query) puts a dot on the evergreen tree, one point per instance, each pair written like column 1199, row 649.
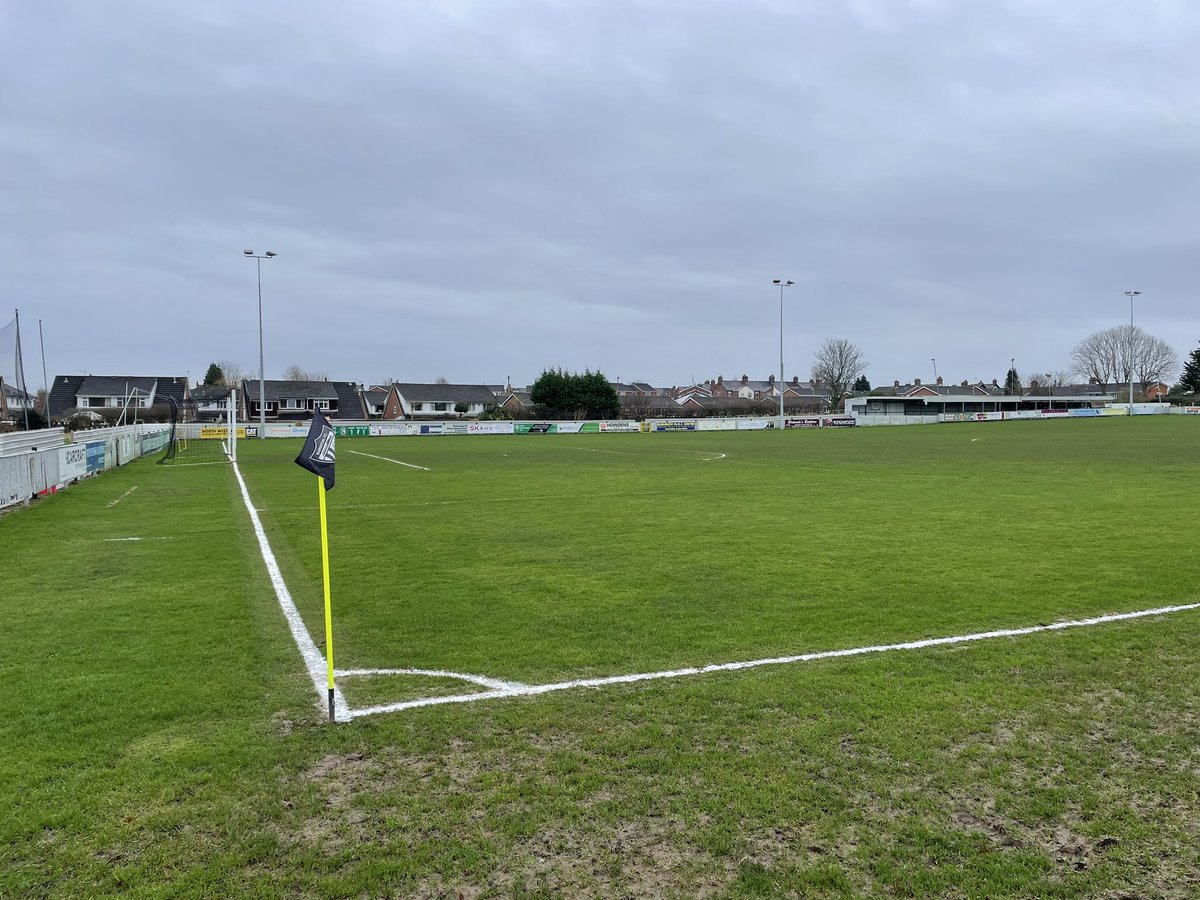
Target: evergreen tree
column 562, row 395
column 1190, row 379
column 1012, row 383
column 862, row 384
column 214, row 375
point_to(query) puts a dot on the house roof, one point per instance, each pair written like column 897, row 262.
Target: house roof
column 445, row 393
column 376, row 396
column 206, row 393
column 14, row 393
column 117, row 385
column 292, row 390
column 521, row 397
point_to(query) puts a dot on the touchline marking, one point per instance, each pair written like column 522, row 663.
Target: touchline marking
column 386, row 459
column 664, row 449
column 516, row 689
column 124, row 495
column 314, row 661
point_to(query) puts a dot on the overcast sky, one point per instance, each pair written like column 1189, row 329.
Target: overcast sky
column 481, row 190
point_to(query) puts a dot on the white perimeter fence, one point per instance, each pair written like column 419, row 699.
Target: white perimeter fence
column 38, row 463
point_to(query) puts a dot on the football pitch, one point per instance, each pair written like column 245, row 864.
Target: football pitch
column 665, row 634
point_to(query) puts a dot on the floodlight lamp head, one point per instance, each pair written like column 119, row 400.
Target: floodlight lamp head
column 776, row 281
column 247, row 252
column 789, row 283
column 271, row 253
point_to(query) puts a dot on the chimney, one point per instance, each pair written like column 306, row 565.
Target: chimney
column 1093, row 381
column 939, row 379
column 720, row 379
column 964, row 383
column 917, row 382
column 994, row 384
column 770, row 379
column 796, row 380
column 745, row 378
column 1033, row 384
column 896, row 383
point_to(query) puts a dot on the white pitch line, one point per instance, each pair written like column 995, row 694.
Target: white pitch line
column 314, row 661
column 510, row 689
column 124, row 495
column 386, row 459
column 494, row 683
column 662, row 449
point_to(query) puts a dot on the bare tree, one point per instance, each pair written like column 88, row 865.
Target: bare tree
column 295, row 373
column 1108, row 356
column 442, row 379
column 838, row 363
column 231, row 373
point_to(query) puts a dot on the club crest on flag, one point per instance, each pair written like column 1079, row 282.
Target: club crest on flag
column 318, row 455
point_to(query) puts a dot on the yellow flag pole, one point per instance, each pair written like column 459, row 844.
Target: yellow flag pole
column 328, row 605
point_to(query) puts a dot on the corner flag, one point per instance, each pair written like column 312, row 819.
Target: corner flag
column 318, row 457
column 318, row 453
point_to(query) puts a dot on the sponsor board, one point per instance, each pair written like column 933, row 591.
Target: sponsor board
column 621, row 426
column 95, row 456
column 1083, row 413
column 754, row 424
column 839, row 422
column 250, row 431
column 804, row 422
column 569, row 427
column 490, row 428
column 455, row 428
column 680, row 425
column 535, row 428
column 72, row 462
column 1191, row 410
column 220, row 432
column 716, row 425
column 1054, row 412
column 351, row 430
column 389, row 430
column 432, row 428
column 1115, row 411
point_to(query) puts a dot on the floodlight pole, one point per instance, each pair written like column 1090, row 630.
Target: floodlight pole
column 262, row 385
column 933, row 360
column 782, row 284
column 1131, row 295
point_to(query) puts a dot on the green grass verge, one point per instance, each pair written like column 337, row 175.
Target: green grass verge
column 163, row 740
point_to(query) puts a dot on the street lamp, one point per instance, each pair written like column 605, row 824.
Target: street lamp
column 1131, row 295
column 262, row 388
column 782, row 284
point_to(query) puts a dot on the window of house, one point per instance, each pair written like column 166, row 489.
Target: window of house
column 83, row 402
column 322, row 404
column 440, row 407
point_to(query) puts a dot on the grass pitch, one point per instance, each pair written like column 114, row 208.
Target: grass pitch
column 166, row 741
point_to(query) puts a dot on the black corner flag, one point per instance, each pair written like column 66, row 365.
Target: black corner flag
column 317, row 455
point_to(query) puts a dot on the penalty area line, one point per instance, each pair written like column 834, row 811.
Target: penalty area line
column 511, row 689
column 314, row 660
column 387, row 459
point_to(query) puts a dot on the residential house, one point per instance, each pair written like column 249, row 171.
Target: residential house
column 110, row 395
column 13, row 401
column 210, row 402
column 406, row 401
column 517, row 403
column 375, row 399
column 290, row 400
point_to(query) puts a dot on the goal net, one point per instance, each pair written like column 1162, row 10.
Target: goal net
column 204, row 431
